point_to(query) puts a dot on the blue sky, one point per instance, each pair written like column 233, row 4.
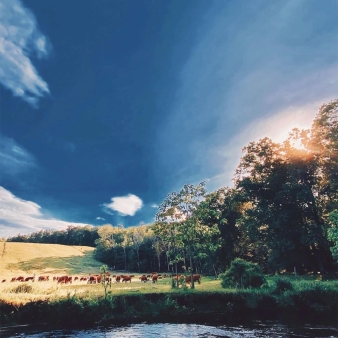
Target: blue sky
column 107, row 106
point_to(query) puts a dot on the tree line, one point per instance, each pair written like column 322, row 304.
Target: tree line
column 281, row 213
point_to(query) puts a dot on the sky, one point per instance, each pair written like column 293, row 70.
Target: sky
column 108, row 106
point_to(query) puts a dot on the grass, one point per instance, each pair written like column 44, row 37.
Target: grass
column 30, row 258
column 307, row 295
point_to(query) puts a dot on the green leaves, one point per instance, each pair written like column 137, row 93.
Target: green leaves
column 178, row 226
column 333, row 233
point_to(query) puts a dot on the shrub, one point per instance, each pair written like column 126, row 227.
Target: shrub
column 242, row 274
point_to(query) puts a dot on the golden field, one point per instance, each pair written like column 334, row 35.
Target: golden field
column 29, row 259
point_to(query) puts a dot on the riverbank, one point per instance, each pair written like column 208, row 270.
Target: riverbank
column 317, row 302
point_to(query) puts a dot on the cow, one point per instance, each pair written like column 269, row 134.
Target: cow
column 144, row 278
column 3, row 281
column 64, row 280
column 196, row 278
column 43, row 279
column 83, row 279
column 13, row 279
column 20, row 279
column 76, row 278
column 126, row 279
column 154, row 278
column 92, row 280
column 29, row 278
column 118, row 278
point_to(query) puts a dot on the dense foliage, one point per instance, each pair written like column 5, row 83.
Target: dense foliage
column 73, row 235
column 242, row 274
column 280, row 214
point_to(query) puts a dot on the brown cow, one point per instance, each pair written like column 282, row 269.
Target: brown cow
column 43, row 279
column 21, row 279
column 13, row 279
column 126, row 279
column 154, row 278
column 64, row 280
column 118, row 278
column 196, row 278
column 29, row 278
column 144, row 278
column 92, row 280
column 3, row 281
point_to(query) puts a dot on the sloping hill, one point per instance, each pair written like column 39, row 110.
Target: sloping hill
column 41, row 258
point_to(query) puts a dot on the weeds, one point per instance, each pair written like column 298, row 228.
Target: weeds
column 23, row 288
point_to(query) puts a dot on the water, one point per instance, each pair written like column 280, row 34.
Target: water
column 256, row 329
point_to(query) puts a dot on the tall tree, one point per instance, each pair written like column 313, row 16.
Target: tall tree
column 279, row 181
column 177, row 218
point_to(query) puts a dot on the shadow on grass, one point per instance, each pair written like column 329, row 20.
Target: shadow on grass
column 70, row 265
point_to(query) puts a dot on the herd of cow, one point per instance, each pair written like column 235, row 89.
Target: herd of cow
column 97, row 278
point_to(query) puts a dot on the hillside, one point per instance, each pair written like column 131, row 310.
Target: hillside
column 41, row 258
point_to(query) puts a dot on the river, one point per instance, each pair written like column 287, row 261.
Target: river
column 163, row 330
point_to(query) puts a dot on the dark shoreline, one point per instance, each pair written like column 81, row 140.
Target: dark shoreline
column 217, row 308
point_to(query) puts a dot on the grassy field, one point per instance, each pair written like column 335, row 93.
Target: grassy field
column 30, row 258
column 27, row 259
column 49, row 302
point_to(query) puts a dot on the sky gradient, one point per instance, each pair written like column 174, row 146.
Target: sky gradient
column 107, row 106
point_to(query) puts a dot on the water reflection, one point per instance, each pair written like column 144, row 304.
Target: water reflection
column 258, row 329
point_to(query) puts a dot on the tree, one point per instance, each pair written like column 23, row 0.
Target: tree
column 224, row 208
column 178, row 224
column 105, row 279
column 323, row 143
column 282, row 214
column 333, row 233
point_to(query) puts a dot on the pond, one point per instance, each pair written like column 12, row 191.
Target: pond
column 165, row 330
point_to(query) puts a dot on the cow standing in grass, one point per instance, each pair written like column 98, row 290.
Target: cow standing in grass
column 196, row 278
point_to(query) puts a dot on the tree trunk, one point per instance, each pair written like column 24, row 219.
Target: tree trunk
column 159, row 262
column 192, row 285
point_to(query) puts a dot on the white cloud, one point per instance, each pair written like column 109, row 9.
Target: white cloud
column 21, row 216
column 154, row 205
column 20, row 38
column 125, row 205
column 101, row 218
column 13, row 158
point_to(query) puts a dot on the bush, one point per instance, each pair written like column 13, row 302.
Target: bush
column 242, row 274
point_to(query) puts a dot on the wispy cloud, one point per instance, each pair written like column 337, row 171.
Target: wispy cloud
column 253, row 67
column 124, row 205
column 277, row 127
column 21, row 216
column 13, row 158
column 100, row 218
column 154, row 205
column 19, row 39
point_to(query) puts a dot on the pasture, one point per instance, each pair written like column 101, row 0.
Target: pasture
column 54, row 260
column 19, row 293
column 30, row 258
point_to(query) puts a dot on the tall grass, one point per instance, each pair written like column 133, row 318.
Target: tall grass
column 279, row 298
